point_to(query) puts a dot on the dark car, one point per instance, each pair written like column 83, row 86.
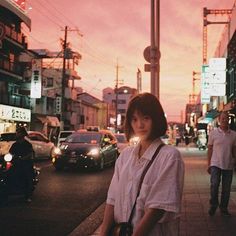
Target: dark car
column 86, row 149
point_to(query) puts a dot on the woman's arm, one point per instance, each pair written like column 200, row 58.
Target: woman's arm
column 148, row 221
column 108, row 220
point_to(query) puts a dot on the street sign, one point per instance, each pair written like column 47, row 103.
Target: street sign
column 218, row 76
column 151, row 53
column 147, row 67
column 217, row 64
column 2, row 31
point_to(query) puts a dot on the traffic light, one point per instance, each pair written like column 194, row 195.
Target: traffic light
column 58, row 105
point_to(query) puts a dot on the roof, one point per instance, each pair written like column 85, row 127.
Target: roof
column 14, row 8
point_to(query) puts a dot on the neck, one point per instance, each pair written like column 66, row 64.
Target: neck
column 144, row 144
column 224, row 128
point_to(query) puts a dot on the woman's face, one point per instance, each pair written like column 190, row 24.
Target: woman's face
column 141, row 125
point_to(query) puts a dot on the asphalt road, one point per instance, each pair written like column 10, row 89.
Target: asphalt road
column 61, row 202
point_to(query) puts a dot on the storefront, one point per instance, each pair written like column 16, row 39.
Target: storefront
column 12, row 117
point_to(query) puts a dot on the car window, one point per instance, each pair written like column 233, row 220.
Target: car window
column 8, row 137
column 37, row 137
column 121, row 138
column 84, row 138
column 64, row 134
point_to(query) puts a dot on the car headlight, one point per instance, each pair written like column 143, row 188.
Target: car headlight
column 8, row 157
column 93, row 152
column 57, row 151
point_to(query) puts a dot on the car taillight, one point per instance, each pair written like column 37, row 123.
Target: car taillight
column 8, row 165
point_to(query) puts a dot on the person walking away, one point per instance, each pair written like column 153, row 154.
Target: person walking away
column 22, row 150
column 158, row 204
column 221, row 152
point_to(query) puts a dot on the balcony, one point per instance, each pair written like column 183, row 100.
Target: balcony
column 9, row 66
column 16, row 37
column 16, row 100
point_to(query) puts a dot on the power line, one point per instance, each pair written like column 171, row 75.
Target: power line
column 51, row 19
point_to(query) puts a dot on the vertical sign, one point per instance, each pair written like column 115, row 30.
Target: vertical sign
column 36, row 79
column 205, row 85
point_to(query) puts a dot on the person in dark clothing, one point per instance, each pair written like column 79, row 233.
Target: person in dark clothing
column 22, row 151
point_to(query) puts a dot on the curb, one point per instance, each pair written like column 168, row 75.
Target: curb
column 93, row 221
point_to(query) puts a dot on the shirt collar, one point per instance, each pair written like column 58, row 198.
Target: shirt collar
column 150, row 150
column 220, row 130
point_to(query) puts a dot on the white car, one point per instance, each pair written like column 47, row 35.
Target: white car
column 42, row 147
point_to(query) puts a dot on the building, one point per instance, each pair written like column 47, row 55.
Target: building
column 117, row 104
column 226, row 49
column 14, row 105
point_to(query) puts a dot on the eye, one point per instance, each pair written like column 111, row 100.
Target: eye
column 146, row 117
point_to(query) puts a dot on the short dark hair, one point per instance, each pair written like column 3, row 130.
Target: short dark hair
column 146, row 104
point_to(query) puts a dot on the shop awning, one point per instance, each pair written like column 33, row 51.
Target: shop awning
column 204, row 120
column 212, row 114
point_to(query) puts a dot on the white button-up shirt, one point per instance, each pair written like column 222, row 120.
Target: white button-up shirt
column 162, row 186
column 223, row 144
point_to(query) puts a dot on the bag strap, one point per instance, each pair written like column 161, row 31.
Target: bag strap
column 142, row 178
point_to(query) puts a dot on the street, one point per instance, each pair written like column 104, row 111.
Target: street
column 71, row 203
column 61, row 201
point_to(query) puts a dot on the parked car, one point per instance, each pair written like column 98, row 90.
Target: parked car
column 42, row 147
column 122, row 142
column 63, row 135
column 86, row 149
column 165, row 139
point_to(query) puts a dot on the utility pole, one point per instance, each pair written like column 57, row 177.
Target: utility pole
column 139, row 81
column 64, row 83
column 116, row 92
column 152, row 53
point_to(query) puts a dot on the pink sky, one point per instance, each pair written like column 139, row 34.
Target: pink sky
column 121, row 29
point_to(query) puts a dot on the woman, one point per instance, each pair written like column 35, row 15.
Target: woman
column 157, row 208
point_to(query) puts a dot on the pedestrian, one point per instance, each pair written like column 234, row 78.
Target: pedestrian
column 22, row 152
column 221, row 152
column 156, row 209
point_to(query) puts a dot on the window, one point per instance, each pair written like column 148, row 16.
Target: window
column 49, row 82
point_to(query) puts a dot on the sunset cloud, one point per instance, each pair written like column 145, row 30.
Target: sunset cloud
column 120, row 29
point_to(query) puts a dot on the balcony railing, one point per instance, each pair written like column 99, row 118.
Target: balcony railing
column 16, row 100
column 10, row 66
column 18, row 37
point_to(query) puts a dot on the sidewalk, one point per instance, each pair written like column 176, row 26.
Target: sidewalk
column 195, row 220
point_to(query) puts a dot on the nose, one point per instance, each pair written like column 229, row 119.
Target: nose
column 140, row 123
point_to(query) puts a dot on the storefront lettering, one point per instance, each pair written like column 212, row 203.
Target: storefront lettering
column 15, row 113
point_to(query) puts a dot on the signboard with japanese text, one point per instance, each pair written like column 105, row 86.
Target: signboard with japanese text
column 36, row 79
column 205, row 85
column 14, row 113
column 216, row 64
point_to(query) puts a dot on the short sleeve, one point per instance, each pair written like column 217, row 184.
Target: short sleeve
column 210, row 138
column 166, row 191
column 114, row 183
